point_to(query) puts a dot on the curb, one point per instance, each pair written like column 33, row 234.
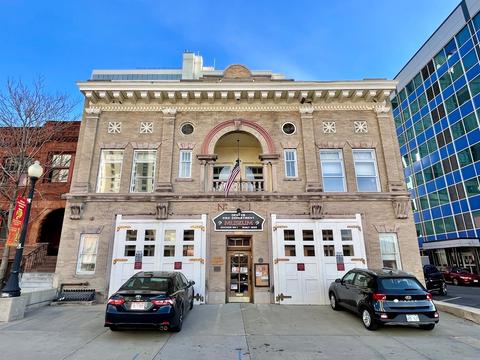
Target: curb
column 461, row 311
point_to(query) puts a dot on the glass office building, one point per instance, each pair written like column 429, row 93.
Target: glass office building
column 436, row 111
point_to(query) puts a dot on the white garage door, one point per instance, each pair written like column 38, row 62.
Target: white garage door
column 310, row 254
column 167, row 245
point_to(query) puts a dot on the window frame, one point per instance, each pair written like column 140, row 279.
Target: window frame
column 81, row 253
column 397, row 259
column 134, row 170
column 339, row 160
column 181, row 162
column 52, row 168
column 375, row 167
column 100, row 175
column 295, row 162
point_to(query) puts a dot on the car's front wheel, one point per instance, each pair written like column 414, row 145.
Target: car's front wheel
column 368, row 321
column 334, row 302
column 427, row 326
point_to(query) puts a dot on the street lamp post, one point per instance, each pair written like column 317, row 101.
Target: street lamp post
column 12, row 288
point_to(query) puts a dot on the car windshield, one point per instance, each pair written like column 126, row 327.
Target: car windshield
column 162, row 284
column 431, row 269
column 460, row 270
column 404, row 284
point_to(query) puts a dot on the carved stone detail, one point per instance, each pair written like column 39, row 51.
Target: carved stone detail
column 114, row 127
column 360, row 127
column 382, row 108
column 93, row 111
column 186, row 146
column 306, row 109
column 329, row 127
column 161, row 211
column 76, row 211
column 237, row 123
column 146, row 127
column 401, row 208
column 331, row 144
column 316, row 209
column 362, row 144
column 386, row 228
column 394, row 186
column 169, row 111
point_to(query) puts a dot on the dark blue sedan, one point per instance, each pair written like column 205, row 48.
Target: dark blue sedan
column 151, row 299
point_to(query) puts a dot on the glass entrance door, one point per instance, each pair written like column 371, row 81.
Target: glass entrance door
column 239, row 279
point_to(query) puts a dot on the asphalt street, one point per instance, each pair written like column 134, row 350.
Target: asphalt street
column 234, row 331
column 461, row 295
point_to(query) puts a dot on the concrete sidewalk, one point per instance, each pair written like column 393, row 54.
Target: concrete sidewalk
column 234, row 331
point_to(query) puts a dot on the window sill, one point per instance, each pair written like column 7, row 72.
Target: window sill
column 183, row 179
column 292, row 179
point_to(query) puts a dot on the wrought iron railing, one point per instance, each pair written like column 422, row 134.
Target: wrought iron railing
column 35, row 257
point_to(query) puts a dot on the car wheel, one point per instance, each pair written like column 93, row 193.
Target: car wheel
column 191, row 305
column 334, row 302
column 427, row 326
column 178, row 327
column 368, row 320
column 443, row 290
column 455, row 281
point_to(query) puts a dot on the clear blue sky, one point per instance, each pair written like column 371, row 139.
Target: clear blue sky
column 312, row 40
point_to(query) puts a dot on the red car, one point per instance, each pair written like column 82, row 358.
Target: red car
column 461, row 276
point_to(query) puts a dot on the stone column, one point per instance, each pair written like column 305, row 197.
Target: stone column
column 309, row 150
column 269, row 172
column 390, row 148
column 85, row 150
column 164, row 174
column 207, row 179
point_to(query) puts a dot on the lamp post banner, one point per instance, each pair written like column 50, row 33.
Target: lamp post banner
column 17, row 222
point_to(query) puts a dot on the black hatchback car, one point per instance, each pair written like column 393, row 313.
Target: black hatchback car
column 151, row 299
column 384, row 296
column 434, row 279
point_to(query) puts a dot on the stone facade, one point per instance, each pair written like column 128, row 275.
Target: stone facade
column 258, row 109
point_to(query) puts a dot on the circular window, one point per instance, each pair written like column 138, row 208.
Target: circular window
column 289, row 128
column 186, row 129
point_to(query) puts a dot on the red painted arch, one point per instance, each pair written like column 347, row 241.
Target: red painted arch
column 244, row 124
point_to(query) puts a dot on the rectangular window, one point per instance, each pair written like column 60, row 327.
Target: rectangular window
column 87, row 255
column 366, row 170
column 110, row 171
column 149, row 250
column 188, row 250
column 389, row 250
column 290, row 163
column 60, row 167
column 143, row 170
column 185, row 166
column 333, row 173
column 169, row 250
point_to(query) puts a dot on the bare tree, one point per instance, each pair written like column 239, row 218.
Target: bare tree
column 24, row 112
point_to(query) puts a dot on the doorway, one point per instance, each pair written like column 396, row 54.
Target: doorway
column 239, row 270
column 51, row 231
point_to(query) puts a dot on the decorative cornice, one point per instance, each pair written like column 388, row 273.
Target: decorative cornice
column 233, row 107
column 382, row 109
column 306, row 109
column 93, row 110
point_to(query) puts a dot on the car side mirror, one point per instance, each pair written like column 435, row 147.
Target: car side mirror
column 338, row 281
column 191, row 283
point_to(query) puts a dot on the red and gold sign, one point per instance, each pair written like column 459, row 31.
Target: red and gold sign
column 17, row 221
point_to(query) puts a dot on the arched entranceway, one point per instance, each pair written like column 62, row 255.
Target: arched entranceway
column 52, row 230
column 247, row 149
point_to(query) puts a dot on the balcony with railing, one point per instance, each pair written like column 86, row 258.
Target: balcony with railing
column 240, row 185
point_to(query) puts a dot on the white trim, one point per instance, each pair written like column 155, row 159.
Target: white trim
column 340, row 152
column 189, row 175
column 100, row 170
column 133, row 175
column 295, row 160
column 80, row 254
column 394, row 236
column 374, row 161
column 294, row 127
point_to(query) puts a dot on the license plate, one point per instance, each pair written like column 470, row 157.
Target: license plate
column 137, row 306
column 411, row 318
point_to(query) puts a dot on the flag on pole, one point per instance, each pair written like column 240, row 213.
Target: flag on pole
column 231, row 178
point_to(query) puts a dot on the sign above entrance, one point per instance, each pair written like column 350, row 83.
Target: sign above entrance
column 234, row 220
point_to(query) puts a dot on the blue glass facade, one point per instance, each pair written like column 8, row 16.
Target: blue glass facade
column 437, row 117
